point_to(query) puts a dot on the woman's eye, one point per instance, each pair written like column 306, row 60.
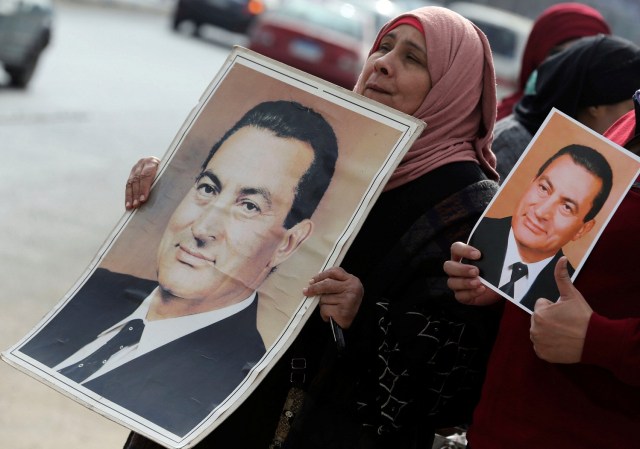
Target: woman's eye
column 385, row 47
column 418, row 59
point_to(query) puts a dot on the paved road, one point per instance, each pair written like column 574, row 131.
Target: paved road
column 116, row 84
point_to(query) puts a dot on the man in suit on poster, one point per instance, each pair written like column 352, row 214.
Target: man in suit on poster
column 559, row 205
column 171, row 350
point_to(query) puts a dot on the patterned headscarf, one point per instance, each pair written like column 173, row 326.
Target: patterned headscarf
column 460, row 108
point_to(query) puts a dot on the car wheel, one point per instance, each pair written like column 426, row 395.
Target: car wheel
column 175, row 22
column 184, row 25
column 197, row 29
column 21, row 75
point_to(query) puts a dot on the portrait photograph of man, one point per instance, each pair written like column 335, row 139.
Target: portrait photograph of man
column 248, row 210
column 554, row 204
column 194, row 290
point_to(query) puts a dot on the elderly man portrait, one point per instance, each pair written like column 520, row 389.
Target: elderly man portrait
column 558, row 206
column 171, row 349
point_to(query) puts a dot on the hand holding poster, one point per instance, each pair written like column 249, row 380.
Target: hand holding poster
column 555, row 203
column 195, row 296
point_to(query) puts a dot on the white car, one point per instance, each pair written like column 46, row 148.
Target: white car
column 507, row 33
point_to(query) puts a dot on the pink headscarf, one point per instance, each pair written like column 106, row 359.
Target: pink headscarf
column 460, row 108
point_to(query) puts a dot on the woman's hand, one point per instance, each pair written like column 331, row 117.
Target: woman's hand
column 464, row 279
column 558, row 330
column 340, row 295
column 139, row 182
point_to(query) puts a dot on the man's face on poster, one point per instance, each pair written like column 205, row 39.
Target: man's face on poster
column 551, row 211
column 227, row 234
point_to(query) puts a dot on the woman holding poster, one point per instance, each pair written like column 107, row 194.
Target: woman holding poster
column 390, row 291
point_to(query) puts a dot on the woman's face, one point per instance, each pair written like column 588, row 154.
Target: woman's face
column 396, row 74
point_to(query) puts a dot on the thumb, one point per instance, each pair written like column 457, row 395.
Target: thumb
column 563, row 279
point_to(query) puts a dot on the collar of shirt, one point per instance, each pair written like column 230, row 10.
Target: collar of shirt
column 156, row 333
column 512, row 256
column 159, row 332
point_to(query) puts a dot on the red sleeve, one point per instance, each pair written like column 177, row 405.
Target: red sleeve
column 615, row 346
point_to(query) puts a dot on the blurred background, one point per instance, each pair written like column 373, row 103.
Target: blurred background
column 87, row 87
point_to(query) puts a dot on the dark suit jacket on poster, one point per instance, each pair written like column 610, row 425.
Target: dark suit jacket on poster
column 174, row 386
column 491, row 237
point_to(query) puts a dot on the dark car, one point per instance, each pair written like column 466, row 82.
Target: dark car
column 328, row 39
column 25, row 30
column 232, row 15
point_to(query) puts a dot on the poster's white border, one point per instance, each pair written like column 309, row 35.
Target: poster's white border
column 541, row 130
column 410, row 129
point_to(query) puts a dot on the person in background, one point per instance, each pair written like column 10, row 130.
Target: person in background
column 390, row 294
column 592, row 81
column 555, row 29
column 566, row 376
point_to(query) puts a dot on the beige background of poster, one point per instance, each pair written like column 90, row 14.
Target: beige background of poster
column 560, row 132
column 363, row 146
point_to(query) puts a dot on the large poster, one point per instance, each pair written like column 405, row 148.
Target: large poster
column 555, row 202
column 194, row 296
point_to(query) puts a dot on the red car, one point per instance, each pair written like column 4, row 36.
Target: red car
column 325, row 39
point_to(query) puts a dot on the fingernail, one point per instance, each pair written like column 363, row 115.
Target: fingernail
column 141, row 198
column 135, row 203
column 475, row 254
column 127, row 205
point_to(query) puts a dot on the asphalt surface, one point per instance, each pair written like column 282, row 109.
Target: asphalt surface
column 115, row 85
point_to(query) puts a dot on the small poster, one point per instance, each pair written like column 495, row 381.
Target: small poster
column 194, row 296
column 555, row 202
